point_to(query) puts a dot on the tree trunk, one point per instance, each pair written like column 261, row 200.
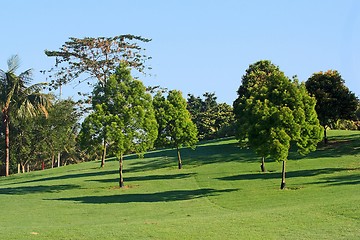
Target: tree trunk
column 19, row 167
column 7, row 142
column 263, row 164
column 103, row 155
column 59, row 159
column 179, row 158
column 283, row 185
column 52, row 160
column 121, row 180
column 43, row 165
column 325, row 136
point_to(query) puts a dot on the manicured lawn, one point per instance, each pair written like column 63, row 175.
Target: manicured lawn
column 220, row 194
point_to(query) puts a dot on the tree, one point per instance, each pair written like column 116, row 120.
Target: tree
column 272, row 112
column 92, row 136
column 334, row 100
column 175, row 126
column 19, row 100
column 211, row 118
column 129, row 122
column 95, row 58
column 255, row 76
column 58, row 131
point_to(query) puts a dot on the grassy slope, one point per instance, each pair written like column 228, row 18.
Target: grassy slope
column 220, row 194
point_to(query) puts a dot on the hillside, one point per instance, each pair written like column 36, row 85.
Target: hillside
column 219, row 194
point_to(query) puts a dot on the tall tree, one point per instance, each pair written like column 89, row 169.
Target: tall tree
column 334, row 100
column 176, row 128
column 254, row 77
column 275, row 111
column 17, row 99
column 95, row 58
column 129, row 121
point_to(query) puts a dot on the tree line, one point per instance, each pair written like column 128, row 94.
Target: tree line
column 271, row 112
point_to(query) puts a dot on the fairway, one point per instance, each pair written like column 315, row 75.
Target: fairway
column 219, row 194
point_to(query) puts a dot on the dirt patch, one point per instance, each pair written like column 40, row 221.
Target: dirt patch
column 125, row 187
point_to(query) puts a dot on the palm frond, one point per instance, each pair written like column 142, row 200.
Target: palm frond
column 35, row 88
column 26, row 77
column 13, row 63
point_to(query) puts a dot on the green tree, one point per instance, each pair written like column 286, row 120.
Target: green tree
column 254, row 77
column 129, row 121
column 92, row 136
column 58, row 131
column 19, row 100
column 95, row 58
column 211, row 118
column 272, row 112
column 175, row 126
column 161, row 108
column 334, row 100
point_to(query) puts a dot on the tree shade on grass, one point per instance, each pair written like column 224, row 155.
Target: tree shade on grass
column 272, row 112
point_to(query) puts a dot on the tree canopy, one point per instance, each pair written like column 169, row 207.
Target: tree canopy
column 272, row 111
column 95, row 58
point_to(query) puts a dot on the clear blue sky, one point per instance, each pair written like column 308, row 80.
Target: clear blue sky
column 197, row 46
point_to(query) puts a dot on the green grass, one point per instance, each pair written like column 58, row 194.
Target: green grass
column 220, row 194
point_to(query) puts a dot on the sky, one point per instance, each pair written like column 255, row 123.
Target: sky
column 197, row 46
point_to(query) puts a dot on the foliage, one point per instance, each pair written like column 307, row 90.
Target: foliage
column 18, row 100
column 272, row 111
column 175, row 126
column 334, row 100
column 92, row 136
column 60, row 129
column 95, row 58
column 40, row 139
column 212, row 119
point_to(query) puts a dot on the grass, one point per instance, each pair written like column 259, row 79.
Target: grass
column 220, row 194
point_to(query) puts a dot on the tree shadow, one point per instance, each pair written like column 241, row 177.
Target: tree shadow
column 352, row 179
column 72, row 176
column 167, row 196
column 36, row 189
column 291, row 174
column 338, row 146
column 147, row 178
column 203, row 154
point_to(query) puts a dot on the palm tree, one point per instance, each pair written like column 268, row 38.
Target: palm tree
column 19, row 100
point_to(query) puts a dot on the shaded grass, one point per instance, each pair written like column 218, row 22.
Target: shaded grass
column 220, row 194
